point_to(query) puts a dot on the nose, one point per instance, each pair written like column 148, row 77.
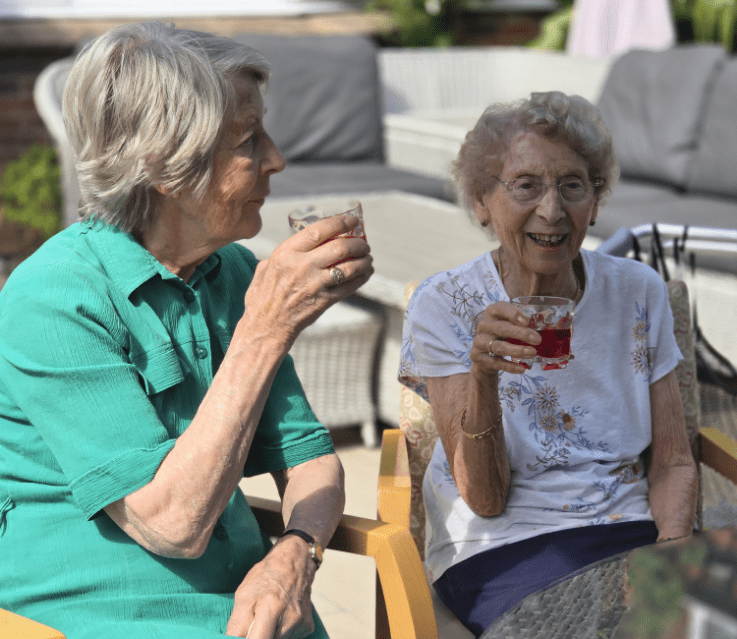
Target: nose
column 550, row 206
column 273, row 161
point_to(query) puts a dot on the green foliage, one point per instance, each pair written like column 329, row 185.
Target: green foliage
column 553, row 31
column 30, row 190
column 657, row 579
column 417, row 23
column 712, row 20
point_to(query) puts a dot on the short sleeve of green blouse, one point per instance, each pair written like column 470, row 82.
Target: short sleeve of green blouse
column 71, row 367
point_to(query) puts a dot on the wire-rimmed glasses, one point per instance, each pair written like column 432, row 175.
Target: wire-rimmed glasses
column 529, row 190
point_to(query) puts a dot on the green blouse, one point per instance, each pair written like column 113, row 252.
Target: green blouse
column 105, row 356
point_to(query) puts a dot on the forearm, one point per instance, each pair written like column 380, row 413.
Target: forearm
column 480, row 466
column 672, row 471
column 313, row 497
column 175, row 513
column 673, row 494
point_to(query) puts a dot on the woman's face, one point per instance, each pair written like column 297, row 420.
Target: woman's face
column 245, row 159
column 544, row 237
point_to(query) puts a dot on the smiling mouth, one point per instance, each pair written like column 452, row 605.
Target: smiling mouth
column 548, row 241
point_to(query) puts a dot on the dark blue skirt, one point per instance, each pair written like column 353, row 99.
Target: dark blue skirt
column 481, row 588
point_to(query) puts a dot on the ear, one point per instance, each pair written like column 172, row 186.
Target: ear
column 165, row 191
column 481, row 211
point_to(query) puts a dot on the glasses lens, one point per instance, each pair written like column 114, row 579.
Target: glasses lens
column 526, row 189
column 574, row 190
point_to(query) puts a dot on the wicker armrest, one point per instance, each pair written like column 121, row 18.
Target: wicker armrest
column 14, row 626
column 719, row 452
column 402, row 577
column 395, row 485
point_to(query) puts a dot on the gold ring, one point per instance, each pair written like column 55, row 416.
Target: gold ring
column 337, row 275
column 491, row 351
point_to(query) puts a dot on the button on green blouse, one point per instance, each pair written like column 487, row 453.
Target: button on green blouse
column 105, row 356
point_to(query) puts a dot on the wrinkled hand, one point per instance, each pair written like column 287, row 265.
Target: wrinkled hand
column 499, row 322
column 273, row 601
column 292, row 287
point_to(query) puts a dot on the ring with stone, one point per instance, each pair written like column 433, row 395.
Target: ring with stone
column 337, row 275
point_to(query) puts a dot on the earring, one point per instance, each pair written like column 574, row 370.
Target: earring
column 592, row 223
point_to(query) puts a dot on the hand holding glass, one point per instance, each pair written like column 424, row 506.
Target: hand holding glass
column 552, row 317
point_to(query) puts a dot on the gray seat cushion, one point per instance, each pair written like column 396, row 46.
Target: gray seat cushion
column 322, row 178
column 637, row 202
column 323, row 100
column 714, row 169
column 633, row 203
column 653, row 104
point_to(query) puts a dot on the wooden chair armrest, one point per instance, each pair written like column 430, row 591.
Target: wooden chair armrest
column 402, row 577
column 718, row 451
column 395, row 484
column 14, row 626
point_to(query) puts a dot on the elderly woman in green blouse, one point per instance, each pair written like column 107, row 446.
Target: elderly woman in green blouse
column 144, row 368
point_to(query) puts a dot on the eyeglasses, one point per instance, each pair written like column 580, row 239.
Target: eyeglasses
column 528, row 190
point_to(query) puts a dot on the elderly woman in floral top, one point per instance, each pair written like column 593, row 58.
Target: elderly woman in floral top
column 538, row 472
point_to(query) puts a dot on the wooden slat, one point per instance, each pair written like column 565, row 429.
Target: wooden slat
column 719, row 452
column 395, row 485
column 14, row 626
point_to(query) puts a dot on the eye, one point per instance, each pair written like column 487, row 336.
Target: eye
column 573, row 189
column 248, row 142
column 525, row 184
column 573, row 184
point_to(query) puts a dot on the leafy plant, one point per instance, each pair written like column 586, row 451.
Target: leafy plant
column 417, row 23
column 657, row 578
column 554, row 29
column 30, row 190
column 712, row 20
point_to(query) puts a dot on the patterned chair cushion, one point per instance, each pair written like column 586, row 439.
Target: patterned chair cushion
column 417, row 423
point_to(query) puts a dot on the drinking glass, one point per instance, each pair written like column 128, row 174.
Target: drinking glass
column 310, row 214
column 552, row 317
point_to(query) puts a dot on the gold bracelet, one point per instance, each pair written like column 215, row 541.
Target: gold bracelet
column 482, row 434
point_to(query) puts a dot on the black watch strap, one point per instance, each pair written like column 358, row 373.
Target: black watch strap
column 315, row 548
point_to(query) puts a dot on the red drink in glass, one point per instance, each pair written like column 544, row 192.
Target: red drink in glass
column 552, row 317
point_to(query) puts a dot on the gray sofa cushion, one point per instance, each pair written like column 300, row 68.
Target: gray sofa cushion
column 714, row 167
column 317, row 178
column 653, row 103
column 634, row 202
column 323, row 99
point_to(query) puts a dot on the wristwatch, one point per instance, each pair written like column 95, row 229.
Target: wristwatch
column 315, row 548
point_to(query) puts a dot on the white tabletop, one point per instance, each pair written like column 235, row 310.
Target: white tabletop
column 411, row 237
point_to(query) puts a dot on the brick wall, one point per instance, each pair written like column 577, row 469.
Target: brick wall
column 20, row 125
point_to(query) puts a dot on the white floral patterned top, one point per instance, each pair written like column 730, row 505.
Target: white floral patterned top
column 575, row 436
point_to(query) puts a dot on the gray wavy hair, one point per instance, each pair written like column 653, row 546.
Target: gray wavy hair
column 570, row 119
column 144, row 105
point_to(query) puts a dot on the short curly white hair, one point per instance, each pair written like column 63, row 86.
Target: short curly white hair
column 143, row 106
column 571, row 119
